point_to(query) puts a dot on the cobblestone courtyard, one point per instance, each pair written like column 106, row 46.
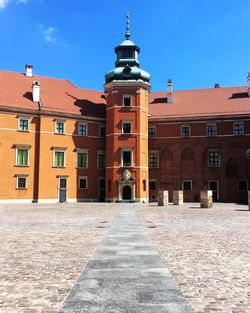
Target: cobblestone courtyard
column 207, row 251
column 44, row 248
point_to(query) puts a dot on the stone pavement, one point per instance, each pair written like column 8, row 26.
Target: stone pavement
column 43, row 249
column 207, row 251
column 125, row 274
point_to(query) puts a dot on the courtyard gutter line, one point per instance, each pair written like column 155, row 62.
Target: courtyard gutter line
column 125, row 274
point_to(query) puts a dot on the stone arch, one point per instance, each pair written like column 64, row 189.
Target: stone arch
column 232, row 168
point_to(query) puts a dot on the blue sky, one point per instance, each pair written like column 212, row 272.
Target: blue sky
column 196, row 43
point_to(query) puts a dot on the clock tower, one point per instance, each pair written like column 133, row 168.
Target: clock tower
column 127, row 87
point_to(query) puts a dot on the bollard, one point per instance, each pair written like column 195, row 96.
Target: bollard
column 162, row 197
column 206, row 199
column 178, row 197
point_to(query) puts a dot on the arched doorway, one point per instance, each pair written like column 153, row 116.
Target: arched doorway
column 126, row 193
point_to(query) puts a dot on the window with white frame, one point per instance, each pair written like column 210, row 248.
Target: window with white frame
column 185, row 130
column 59, row 127
column 213, row 158
column 238, row 128
column 22, row 155
column 152, row 132
column 21, row 182
column 126, row 127
column 127, row 157
column 102, row 131
column 101, row 160
column 82, row 158
column 211, row 129
column 187, row 185
column 127, row 101
column 23, row 124
column 83, row 182
column 82, row 129
column 153, row 159
column 59, row 157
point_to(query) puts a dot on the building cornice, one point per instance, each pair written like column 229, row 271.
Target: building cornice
column 127, row 84
column 54, row 114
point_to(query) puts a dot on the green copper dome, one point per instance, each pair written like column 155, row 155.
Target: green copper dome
column 127, row 64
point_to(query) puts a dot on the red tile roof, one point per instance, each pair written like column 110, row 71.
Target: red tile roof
column 200, row 102
column 57, row 95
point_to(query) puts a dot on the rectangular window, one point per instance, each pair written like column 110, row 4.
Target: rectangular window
column 59, row 158
column 187, row 185
column 238, row 128
column 211, row 130
column 152, row 132
column 21, row 182
column 185, row 130
column 82, row 159
column 242, row 185
column 152, row 185
column 127, row 54
column 127, row 101
column 213, row 159
column 59, row 128
column 102, row 131
column 82, row 130
column 153, row 160
column 101, row 160
column 83, row 182
column 23, row 124
column 126, row 128
column 127, row 158
column 22, row 157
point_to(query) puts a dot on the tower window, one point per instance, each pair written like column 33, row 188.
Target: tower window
column 127, row 101
column 126, row 158
column 126, row 128
column 128, row 54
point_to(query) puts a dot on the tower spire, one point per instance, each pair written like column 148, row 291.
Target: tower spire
column 127, row 34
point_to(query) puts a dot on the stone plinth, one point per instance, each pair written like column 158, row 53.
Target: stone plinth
column 178, row 197
column 206, row 199
column 249, row 200
column 162, row 197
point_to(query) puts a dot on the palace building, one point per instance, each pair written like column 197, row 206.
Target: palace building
column 62, row 143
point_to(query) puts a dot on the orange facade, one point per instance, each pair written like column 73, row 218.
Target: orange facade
column 62, row 143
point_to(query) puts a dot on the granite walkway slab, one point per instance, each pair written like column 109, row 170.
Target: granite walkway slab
column 125, row 274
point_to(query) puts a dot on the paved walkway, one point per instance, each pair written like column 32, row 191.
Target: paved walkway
column 125, row 275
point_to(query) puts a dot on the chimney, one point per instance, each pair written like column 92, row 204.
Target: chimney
column 248, row 84
column 216, row 85
column 36, row 91
column 170, row 91
column 28, row 69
